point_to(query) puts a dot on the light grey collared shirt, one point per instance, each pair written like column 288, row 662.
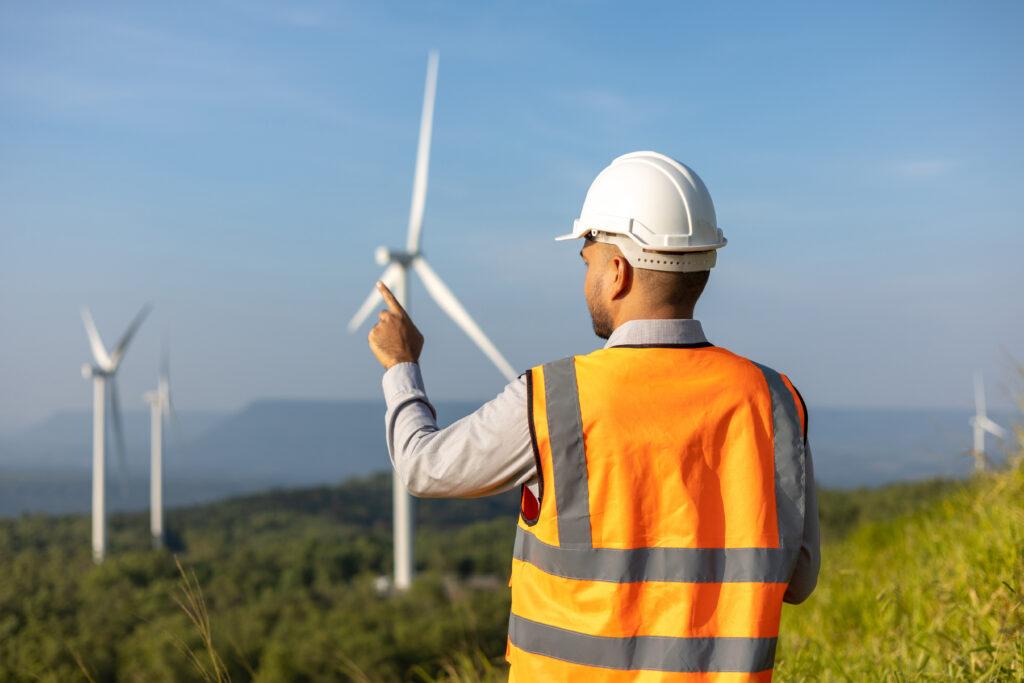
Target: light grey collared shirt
column 489, row 451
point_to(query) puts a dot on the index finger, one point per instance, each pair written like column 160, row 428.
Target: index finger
column 389, row 298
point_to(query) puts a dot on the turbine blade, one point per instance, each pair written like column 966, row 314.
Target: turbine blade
column 165, row 359
column 419, row 184
column 164, row 393
column 164, row 383
column 992, row 428
column 126, row 339
column 168, row 412
column 979, row 395
column 115, row 416
column 388, row 277
column 450, row 305
column 99, row 352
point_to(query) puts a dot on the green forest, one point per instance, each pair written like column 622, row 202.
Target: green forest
column 920, row 581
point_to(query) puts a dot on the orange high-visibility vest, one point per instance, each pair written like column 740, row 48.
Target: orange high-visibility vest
column 669, row 520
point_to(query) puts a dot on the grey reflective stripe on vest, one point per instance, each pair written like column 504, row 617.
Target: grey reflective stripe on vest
column 790, row 472
column 568, row 458
column 685, row 565
column 653, row 653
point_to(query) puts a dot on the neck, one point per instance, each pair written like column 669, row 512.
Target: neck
column 667, row 312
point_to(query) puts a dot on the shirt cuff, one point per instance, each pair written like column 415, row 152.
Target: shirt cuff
column 403, row 382
column 402, row 378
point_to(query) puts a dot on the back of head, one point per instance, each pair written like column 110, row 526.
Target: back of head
column 677, row 289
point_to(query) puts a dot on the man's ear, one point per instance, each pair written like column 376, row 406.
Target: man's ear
column 622, row 281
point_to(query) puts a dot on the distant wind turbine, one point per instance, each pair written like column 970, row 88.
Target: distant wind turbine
column 103, row 372
column 981, row 423
column 396, row 277
column 160, row 407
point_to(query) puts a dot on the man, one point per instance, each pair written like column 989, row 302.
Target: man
column 668, row 500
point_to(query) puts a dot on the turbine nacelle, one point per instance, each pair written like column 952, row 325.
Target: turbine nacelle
column 386, row 255
column 160, row 397
column 108, row 362
column 91, row 371
column 987, row 424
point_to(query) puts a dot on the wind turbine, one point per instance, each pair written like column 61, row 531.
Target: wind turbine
column 396, row 277
column 981, row 424
column 103, row 372
column 159, row 408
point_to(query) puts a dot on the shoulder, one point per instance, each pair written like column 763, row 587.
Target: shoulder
column 778, row 382
column 565, row 363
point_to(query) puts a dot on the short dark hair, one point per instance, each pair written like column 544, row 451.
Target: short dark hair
column 677, row 289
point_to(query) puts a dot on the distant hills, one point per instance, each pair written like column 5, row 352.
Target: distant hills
column 289, row 441
column 63, row 440
column 277, row 443
column 267, row 444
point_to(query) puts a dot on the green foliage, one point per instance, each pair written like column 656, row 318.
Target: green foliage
column 919, row 581
column 846, row 510
column 278, row 587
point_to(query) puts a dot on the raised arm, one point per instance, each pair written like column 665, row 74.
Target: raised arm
column 486, row 452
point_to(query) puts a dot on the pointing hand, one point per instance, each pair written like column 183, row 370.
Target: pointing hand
column 394, row 339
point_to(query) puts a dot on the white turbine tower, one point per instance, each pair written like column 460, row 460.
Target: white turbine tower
column 103, row 372
column 981, row 423
column 396, row 277
column 159, row 408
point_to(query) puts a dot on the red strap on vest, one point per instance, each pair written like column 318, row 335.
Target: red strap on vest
column 528, row 506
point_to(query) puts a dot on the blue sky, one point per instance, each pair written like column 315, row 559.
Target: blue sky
column 236, row 163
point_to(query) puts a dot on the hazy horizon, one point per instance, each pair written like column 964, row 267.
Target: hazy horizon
column 296, row 444
column 1007, row 412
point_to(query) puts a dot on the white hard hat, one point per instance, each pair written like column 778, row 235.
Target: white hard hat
column 656, row 210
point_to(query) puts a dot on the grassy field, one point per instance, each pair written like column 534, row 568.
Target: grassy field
column 936, row 594
column 920, row 581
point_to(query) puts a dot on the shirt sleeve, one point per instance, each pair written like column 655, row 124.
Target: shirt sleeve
column 486, row 452
column 805, row 575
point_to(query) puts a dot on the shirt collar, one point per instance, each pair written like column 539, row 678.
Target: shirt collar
column 657, row 332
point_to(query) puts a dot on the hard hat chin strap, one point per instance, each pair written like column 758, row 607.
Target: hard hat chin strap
column 672, row 262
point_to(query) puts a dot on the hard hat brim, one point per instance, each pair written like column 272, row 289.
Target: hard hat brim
column 626, row 227
column 610, row 224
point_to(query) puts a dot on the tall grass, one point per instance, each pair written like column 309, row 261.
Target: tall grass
column 932, row 596
column 207, row 662
column 466, row 668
